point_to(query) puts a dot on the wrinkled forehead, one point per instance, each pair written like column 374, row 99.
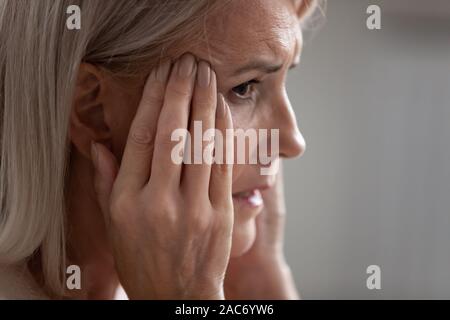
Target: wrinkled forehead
column 244, row 29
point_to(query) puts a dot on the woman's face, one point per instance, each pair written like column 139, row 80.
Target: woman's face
column 251, row 46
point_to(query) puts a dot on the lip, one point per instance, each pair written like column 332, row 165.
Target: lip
column 261, row 187
column 251, row 198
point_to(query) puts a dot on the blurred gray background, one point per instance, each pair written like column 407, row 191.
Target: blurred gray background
column 374, row 184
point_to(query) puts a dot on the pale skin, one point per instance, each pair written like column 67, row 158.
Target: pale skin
column 168, row 231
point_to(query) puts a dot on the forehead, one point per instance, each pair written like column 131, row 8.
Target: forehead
column 241, row 30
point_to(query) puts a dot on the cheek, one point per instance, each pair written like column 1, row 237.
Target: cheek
column 244, row 235
column 253, row 115
column 245, row 173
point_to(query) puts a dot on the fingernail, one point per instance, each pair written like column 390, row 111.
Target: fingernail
column 204, row 74
column 94, row 154
column 186, row 65
column 163, row 72
column 222, row 106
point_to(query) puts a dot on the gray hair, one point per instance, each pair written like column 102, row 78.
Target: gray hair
column 39, row 63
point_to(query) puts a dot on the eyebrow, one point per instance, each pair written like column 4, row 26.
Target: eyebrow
column 260, row 65
column 263, row 66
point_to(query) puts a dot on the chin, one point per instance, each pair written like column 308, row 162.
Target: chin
column 244, row 235
column 247, row 206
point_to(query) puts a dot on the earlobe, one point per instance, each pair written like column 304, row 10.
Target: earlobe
column 87, row 118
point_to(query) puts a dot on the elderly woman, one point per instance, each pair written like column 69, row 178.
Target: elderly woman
column 86, row 172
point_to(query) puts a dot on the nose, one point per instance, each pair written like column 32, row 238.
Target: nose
column 292, row 143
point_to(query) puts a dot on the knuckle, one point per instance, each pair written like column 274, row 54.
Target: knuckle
column 163, row 218
column 204, row 104
column 153, row 99
column 199, row 218
column 166, row 208
column 163, row 214
column 155, row 96
column 141, row 135
column 163, row 204
column 179, row 90
column 199, row 223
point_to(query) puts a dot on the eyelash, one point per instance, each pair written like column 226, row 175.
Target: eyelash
column 250, row 85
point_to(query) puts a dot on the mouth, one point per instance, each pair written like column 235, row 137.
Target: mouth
column 252, row 198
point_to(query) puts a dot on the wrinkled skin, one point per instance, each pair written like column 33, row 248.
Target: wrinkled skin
column 251, row 46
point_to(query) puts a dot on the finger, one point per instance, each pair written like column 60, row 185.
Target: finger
column 195, row 176
column 222, row 173
column 137, row 158
column 174, row 118
column 105, row 172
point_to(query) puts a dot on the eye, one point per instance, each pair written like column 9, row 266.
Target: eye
column 245, row 90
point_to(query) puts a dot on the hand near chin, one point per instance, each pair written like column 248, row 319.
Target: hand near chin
column 262, row 272
column 169, row 224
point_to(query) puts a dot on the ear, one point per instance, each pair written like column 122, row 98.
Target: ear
column 87, row 118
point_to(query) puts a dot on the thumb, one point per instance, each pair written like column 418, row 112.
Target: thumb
column 106, row 168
